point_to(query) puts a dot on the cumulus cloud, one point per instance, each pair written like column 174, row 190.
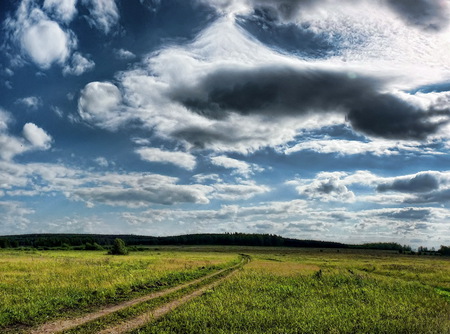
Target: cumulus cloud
column 31, row 102
column 100, row 103
column 36, row 136
column 78, row 65
column 180, row 159
column 42, row 40
column 124, row 54
column 62, row 10
column 234, row 94
column 327, row 187
column 104, row 14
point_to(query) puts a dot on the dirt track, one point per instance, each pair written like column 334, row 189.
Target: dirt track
column 65, row 324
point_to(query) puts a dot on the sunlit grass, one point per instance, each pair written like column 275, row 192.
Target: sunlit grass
column 35, row 286
column 321, row 292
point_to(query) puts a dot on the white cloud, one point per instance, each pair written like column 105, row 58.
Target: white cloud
column 31, row 102
column 79, row 65
column 160, row 101
column 101, row 161
column 124, row 54
column 240, row 167
column 376, row 147
column 243, row 191
column 46, row 43
column 180, row 159
column 36, row 136
column 41, row 39
column 14, row 217
column 204, row 178
column 327, row 187
column 10, row 146
column 103, row 14
column 130, row 190
column 100, row 103
column 62, row 10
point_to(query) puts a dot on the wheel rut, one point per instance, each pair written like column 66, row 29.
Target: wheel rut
column 66, row 324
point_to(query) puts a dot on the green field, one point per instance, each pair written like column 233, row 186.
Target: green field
column 281, row 290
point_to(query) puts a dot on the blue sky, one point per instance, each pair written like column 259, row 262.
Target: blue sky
column 318, row 119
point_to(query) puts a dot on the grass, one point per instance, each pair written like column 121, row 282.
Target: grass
column 281, row 291
column 38, row 286
column 322, row 292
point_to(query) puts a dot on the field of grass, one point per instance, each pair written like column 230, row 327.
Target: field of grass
column 37, row 286
column 308, row 291
column 280, row 291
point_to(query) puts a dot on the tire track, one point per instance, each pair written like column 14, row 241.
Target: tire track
column 65, row 324
column 159, row 312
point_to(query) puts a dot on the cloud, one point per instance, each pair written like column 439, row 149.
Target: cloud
column 408, row 214
column 426, row 14
column 14, row 217
column 180, row 159
column 234, row 94
column 31, row 102
column 124, row 54
column 35, row 138
column 244, row 190
column 421, row 182
column 327, row 187
column 351, row 147
column 101, row 161
column 100, row 103
column 104, row 14
column 62, row 10
column 291, row 91
column 79, row 65
column 440, row 196
column 42, row 40
column 45, row 42
column 115, row 189
column 240, row 167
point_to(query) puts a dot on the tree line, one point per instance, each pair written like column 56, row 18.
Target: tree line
column 101, row 241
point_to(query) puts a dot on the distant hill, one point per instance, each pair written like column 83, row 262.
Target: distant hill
column 240, row 239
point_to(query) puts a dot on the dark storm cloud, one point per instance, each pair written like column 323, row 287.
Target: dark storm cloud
column 287, row 92
column 426, row 14
column 408, row 214
column 420, row 183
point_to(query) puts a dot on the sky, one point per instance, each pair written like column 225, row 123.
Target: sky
column 310, row 119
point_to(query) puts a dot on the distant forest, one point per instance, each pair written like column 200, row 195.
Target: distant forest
column 100, row 241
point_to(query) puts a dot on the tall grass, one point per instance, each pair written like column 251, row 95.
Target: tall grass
column 36, row 286
column 288, row 293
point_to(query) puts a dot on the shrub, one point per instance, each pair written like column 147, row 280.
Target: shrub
column 118, row 248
